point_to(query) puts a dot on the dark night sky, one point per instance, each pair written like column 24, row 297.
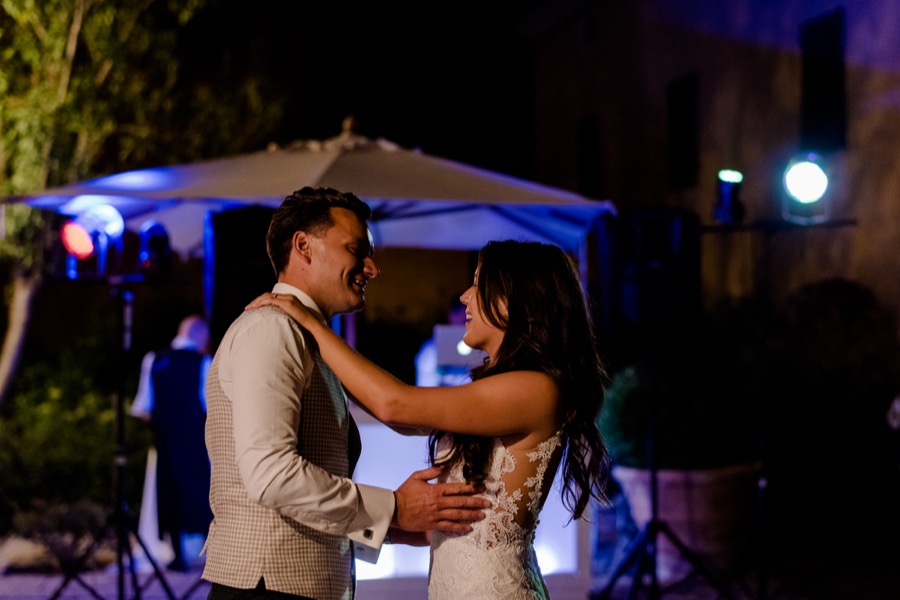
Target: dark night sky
column 452, row 79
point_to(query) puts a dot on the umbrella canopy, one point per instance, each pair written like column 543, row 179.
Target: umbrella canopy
column 419, row 201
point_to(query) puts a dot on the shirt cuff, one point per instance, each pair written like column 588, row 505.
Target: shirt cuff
column 369, row 528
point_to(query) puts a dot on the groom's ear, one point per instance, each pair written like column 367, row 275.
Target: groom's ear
column 300, row 245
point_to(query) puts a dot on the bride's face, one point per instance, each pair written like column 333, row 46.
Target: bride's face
column 481, row 334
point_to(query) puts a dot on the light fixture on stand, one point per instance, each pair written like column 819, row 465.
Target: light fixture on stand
column 155, row 254
column 729, row 210
column 96, row 229
column 90, row 235
column 805, row 184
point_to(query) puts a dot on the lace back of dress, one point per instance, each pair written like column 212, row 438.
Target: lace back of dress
column 523, row 481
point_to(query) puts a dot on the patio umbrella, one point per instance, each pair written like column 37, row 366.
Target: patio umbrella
column 419, row 201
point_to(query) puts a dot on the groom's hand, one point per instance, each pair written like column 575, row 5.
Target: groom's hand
column 448, row 507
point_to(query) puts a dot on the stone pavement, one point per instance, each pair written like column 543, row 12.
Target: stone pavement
column 825, row 571
column 819, row 579
column 102, row 585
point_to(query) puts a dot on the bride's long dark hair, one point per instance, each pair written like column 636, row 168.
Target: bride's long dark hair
column 533, row 293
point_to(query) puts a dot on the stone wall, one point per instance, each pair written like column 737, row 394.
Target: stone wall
column 602, row 69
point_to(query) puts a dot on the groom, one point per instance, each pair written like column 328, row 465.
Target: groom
column 281, row 440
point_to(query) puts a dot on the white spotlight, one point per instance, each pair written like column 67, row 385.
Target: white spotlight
column 805, row 183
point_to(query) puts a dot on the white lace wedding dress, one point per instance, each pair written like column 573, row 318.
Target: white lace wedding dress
column 496, row 561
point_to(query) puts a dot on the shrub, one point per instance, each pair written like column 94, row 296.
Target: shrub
column 57, row 432
column 701, row 384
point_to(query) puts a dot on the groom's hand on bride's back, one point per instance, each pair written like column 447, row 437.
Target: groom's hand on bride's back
column 448, row 507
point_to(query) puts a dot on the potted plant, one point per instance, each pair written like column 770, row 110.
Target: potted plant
column 691, row 402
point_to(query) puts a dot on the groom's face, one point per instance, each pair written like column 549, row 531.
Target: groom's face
column 342, row 264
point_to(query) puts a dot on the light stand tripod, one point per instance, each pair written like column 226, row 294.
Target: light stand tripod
column 658, row 258
column 762, row 484
column 123, row 520
column 763, row 541
column 641, row 555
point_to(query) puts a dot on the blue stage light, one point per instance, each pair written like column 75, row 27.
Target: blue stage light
column 729, row 210
column 155, row 254
column 731, row 176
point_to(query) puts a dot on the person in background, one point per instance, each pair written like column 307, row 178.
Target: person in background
column 172, row 396
column 529, row 414
column 431, row 374
column 288, row 518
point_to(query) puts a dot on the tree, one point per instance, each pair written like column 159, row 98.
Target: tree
column 89, row 87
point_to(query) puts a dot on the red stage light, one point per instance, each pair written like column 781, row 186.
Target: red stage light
column 77, row 240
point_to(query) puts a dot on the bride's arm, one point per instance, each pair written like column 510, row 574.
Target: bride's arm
column 376, row 389
column 502, row 404
column 400, row 429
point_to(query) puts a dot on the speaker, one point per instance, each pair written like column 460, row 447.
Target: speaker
column 591, row 181
column 236, row 264
column 683, row 131
column 658, row 268
column 823, row 101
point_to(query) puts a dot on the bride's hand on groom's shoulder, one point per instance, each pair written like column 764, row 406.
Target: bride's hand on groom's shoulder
column 288, row 303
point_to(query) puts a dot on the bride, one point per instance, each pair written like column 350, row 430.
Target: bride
column 529, row 414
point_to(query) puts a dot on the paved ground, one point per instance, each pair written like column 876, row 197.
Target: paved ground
column 825, row 571
column 809, row 579
column 102, row 584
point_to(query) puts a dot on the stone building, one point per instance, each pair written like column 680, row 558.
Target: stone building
column 644, row 102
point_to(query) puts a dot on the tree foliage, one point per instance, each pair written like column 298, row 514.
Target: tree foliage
column 88, row 88
column 94, row 86
column 91, row 87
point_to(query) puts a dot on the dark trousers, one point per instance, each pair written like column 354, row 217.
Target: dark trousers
column 223, row 592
